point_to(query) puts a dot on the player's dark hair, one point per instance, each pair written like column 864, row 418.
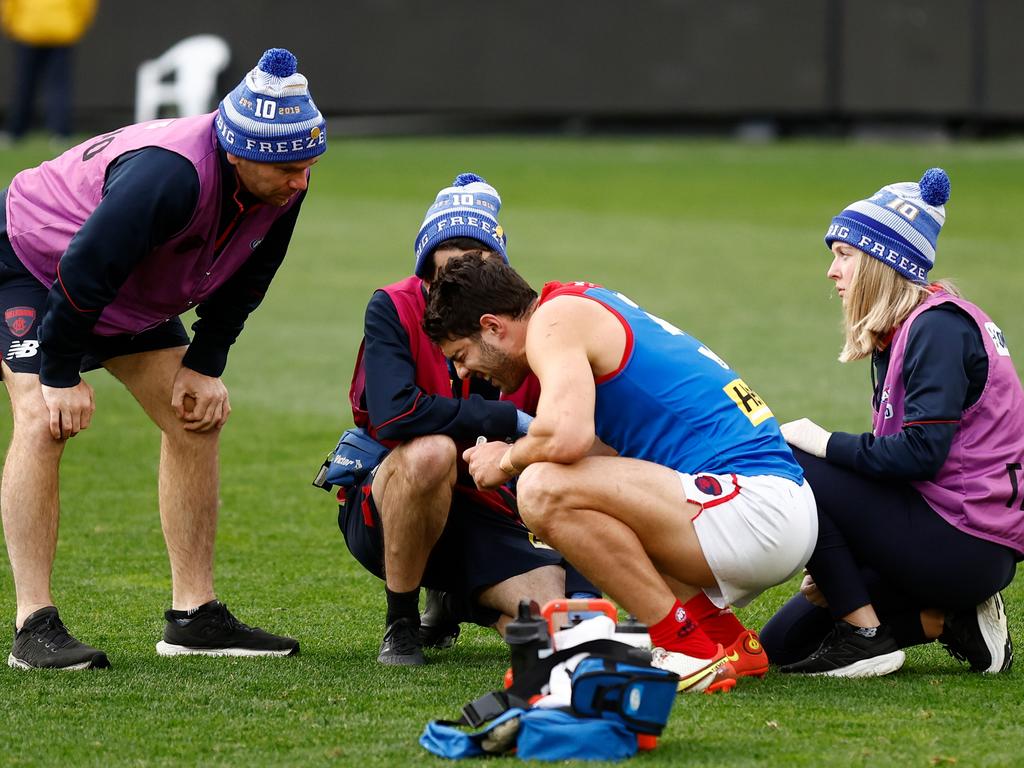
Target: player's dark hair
column 467, row 288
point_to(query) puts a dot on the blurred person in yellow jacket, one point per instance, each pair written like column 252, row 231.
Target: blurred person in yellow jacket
column 44, row 33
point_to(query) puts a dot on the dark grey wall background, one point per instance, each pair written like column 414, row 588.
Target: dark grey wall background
column 731, row 59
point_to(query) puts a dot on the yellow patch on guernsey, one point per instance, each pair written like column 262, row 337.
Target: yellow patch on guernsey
column 748, row 401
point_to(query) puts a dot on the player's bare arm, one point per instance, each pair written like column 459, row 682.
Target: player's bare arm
column 569, row 341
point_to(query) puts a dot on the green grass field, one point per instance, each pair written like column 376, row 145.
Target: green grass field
column 723, row 240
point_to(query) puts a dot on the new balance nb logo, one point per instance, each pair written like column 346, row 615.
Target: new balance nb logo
column 22, row 348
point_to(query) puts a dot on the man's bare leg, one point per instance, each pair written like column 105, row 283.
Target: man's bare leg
column 31, row 510
column 29, row 495
column 622, row 542
column 412, row 490
column 541, row 584
column 188, row 492
column 189, row 475
column 413, row 493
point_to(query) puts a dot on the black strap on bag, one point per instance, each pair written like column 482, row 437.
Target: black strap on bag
column 531, row 682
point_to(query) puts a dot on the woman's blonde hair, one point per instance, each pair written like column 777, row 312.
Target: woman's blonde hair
column 878, row 300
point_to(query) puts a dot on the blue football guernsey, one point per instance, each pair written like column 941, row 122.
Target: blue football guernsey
column 675, row 402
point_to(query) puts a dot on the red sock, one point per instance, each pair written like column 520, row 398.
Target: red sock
column 720, row 624
column 679, row 632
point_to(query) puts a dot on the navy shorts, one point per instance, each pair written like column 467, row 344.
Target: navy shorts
column 22, row 301
column 477, row 549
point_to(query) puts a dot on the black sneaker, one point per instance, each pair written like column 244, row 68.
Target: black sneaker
column 401, row 645
column 980, row 636
column 849, row 651
column 438, row 626
column 43, row 642
column 211, row 630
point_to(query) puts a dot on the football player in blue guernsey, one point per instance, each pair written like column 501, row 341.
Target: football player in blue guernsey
column 650, row 465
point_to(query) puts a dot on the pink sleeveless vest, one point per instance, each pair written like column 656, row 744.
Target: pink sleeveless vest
column 48, row 204
column 980, row 487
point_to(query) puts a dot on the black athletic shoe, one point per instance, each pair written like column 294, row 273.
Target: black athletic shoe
column 848, row 651
column 43, row 642
column 401, row 645
column 980, row 636
column 438, row 626
column 211, row 630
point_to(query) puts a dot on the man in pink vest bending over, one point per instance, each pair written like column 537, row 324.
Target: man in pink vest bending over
column 100, row 250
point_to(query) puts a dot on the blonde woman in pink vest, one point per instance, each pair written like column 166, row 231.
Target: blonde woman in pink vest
column 921, row 520
column 101, row 249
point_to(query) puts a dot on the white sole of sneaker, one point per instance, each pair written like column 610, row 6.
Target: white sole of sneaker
column 14, row 663
column 992, row 622
column 876, row 666
column 167, row 649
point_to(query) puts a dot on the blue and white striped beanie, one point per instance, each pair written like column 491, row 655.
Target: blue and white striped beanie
column 270, row 116
column 898, row 225
column 468, row 208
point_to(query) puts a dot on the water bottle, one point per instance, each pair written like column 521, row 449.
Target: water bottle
column 527, row 636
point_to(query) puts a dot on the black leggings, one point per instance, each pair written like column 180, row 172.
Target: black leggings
column 880, row 543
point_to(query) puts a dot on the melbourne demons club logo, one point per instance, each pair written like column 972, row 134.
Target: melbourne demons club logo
column 708, row 485
column 20, row 319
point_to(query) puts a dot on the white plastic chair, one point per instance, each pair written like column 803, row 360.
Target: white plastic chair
column 184, row 77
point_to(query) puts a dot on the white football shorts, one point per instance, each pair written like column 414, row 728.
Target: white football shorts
column 755, row 532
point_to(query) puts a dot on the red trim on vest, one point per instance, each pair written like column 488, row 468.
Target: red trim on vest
column 238, row 214
column 70, row 300
column 401, row 415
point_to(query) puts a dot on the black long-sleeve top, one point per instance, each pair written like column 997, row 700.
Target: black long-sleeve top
column 149, row 196
column 945, row 367
column 400, row 410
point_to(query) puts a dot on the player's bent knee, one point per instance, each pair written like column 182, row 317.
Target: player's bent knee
column 541, row 484
column 428, row 461
column 39, row 440
column 539, row 496
column 32, row 427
